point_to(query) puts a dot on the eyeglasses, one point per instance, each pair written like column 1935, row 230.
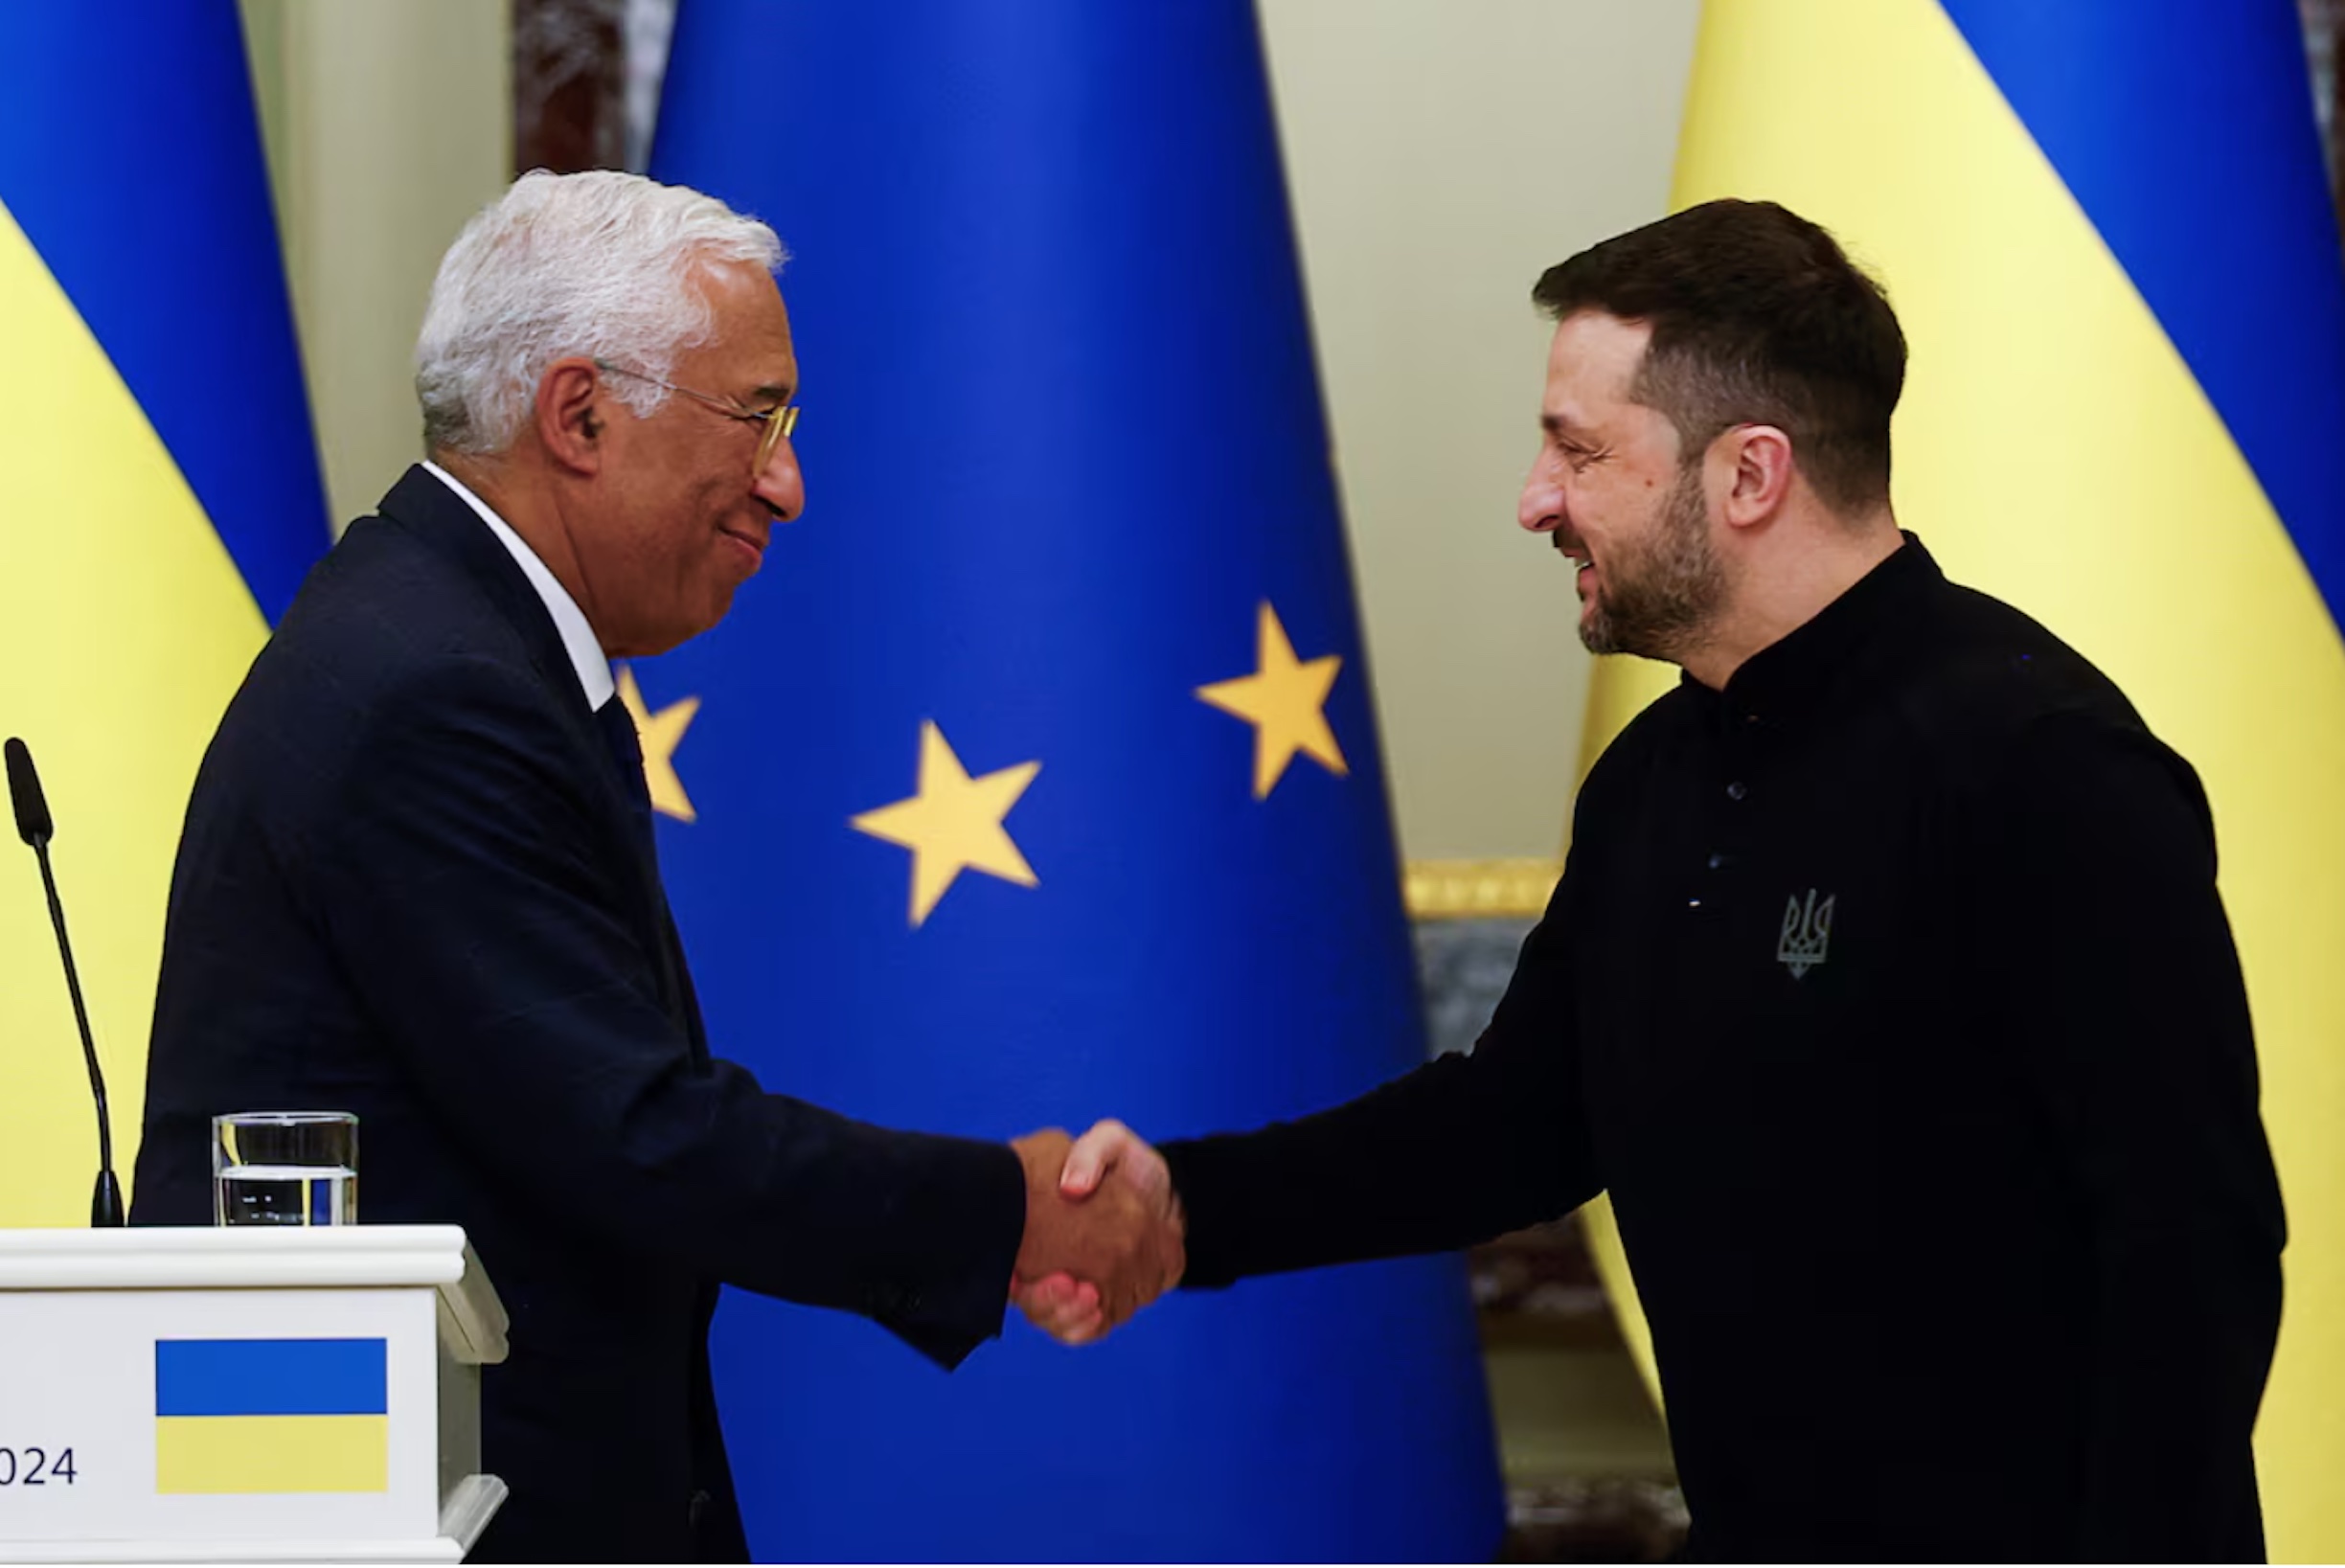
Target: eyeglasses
column 778, row 422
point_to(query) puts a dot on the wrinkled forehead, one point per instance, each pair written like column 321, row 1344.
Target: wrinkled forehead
column 1592, row 363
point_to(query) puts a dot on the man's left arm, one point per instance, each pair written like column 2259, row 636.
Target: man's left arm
column 2132, row 1022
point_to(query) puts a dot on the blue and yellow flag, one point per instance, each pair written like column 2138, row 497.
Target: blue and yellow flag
column 159, row 501
column 272, row 1416
column 1036, row 780
column 2108, row 233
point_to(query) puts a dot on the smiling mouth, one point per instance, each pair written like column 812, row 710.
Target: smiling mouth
column 752, row 540
column 1583, row 565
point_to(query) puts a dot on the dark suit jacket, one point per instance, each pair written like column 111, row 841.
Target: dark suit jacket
column 410, row 887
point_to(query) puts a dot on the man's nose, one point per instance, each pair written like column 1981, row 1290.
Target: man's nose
column 1540, row 509
column 780, row 484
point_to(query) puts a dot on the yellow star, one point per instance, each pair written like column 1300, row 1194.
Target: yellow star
column 1283, row 701
column 661, row 733
column 954, row 822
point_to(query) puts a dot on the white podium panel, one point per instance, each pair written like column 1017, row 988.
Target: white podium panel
column 244, row 1395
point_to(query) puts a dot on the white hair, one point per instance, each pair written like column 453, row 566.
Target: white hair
column 595, row 263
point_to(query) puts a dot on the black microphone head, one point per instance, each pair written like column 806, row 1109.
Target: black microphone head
column 33, row 821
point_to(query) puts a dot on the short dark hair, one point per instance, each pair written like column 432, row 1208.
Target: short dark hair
column 1758, row 316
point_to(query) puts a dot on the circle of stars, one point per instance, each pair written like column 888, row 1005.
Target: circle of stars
column 955, row 821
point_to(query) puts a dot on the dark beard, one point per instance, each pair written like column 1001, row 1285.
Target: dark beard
column 1658, row 600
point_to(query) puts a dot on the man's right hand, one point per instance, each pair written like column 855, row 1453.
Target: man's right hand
column 1108, row 1164
column 1112, row 1250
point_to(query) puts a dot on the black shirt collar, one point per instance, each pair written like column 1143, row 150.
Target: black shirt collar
column 1820, row 663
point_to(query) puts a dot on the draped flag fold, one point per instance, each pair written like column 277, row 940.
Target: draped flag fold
column 160, row 499
column 1036, row 779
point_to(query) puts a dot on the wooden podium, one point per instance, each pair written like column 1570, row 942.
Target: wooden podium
column 244, row 1395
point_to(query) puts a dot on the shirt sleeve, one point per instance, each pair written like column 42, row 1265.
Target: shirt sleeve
column 1466, row 1148
column 2131, row 1023
column 477, row 902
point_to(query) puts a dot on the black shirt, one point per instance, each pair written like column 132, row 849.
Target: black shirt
column 1889, row 994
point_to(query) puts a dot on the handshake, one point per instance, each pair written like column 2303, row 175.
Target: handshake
column 1103, row 1231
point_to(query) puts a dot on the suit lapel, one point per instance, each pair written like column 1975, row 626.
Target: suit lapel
column 438, row 517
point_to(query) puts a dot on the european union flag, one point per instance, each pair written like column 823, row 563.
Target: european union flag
column 159, row 502
column 1038, row 780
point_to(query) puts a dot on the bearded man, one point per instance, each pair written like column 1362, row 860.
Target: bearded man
column 1886, row 989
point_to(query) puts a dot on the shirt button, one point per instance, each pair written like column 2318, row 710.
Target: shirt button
column 1715, row 861
column 1736, row 791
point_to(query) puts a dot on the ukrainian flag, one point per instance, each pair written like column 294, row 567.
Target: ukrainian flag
column 2106, row 230
column 271, row 1416
column 159, row 501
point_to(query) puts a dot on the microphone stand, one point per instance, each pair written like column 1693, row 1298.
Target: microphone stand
column 107, row 1201
column 37, row 827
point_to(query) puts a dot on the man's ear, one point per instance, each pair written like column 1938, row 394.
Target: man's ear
column 1759, row 462
column 570, row 420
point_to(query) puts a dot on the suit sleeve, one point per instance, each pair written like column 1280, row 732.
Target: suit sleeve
column 2130, row 1020
column 471, row 889
column 1466, row 1148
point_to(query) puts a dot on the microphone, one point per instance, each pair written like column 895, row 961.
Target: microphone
column 32, row 820
column 35, row 827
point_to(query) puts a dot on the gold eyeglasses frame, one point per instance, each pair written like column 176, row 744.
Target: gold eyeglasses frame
column 778, row 422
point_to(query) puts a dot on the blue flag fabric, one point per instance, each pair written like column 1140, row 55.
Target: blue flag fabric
column 1038, row 780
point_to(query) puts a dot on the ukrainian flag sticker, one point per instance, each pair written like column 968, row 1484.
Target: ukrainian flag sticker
column 271, row 1416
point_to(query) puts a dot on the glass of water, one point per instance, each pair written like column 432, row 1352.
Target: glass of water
column 285, row 1168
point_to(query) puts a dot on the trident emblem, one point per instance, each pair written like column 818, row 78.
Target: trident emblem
column 1806, row 932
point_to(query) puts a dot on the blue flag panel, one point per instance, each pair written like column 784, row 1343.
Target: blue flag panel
column 1036, row 780
column 271, row 1377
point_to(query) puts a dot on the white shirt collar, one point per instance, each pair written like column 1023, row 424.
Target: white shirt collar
column 577, row 637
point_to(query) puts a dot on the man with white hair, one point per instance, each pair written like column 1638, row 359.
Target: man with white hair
column 418, row 882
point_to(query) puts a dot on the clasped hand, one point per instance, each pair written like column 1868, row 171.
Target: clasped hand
column 1103, row 1231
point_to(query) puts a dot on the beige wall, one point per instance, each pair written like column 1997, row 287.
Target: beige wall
column 1439, row 154
column 388, row 124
